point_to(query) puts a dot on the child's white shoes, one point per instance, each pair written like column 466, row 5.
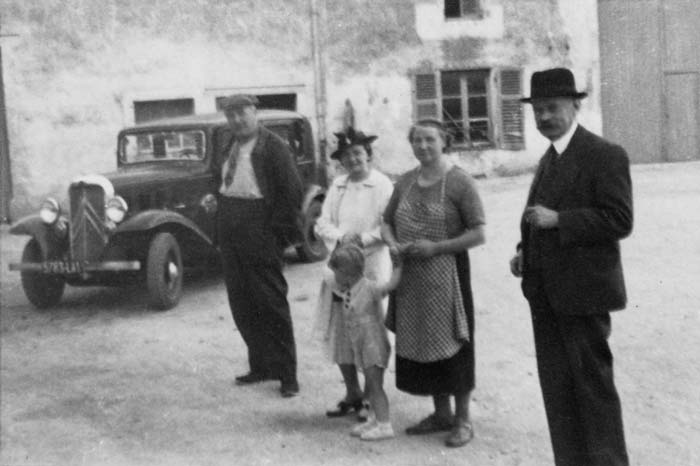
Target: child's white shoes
column 358, row 429
column 379, row 431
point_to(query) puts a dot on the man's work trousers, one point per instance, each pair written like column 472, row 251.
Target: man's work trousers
column 575, row 368
column 257, row 289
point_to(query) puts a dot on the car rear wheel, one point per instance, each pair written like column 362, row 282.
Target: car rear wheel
column 164, row 272
column 312, row 248
column 43, row 290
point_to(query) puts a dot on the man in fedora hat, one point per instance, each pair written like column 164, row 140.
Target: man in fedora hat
column 259, row 203
column 578, row 209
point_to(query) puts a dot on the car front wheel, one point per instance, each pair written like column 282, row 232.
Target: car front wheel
column 312, row 248
column 164, row 272
column 43, row 290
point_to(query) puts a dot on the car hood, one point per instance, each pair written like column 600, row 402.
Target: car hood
column 145, row 177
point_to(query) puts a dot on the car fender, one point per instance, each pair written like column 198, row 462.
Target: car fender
column 32, row 225
column 153, row 219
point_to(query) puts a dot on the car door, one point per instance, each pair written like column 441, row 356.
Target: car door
column 294, row 133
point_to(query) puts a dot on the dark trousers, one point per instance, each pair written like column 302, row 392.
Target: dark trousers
column 575, row 368
column 256, row 287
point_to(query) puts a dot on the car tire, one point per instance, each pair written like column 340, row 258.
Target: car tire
column 312, row 248
column 43, row 290
column 164, row 272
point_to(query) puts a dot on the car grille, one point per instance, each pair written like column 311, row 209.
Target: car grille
column 88, row 233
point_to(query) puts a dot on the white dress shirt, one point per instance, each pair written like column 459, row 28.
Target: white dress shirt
column 562, row 143
column 244, row 184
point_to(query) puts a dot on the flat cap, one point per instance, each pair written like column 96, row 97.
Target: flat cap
column 238, row 100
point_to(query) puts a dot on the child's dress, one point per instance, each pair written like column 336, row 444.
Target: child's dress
column 351, row 323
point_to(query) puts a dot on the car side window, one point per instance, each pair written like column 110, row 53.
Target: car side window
column 293, row 134
column 222, row 137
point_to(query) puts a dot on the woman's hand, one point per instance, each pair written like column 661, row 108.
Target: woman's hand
column 422, row 248
column 398, row 249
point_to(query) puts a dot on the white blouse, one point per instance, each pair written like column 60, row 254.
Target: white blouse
column 357, row 207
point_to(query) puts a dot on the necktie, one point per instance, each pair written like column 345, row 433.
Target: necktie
column 231, row 168
column 553, row 155
column 550, row 162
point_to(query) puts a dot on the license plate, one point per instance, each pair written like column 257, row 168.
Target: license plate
column 62, row 267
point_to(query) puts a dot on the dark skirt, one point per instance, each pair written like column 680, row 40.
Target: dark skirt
column 445, row 376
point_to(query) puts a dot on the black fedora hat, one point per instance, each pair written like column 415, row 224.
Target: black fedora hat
column 351, row 137
column 557, row 82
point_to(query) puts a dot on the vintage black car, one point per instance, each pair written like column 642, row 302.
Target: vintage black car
column 156, row 214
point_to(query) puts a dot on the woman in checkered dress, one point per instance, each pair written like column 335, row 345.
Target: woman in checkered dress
column 433, row 217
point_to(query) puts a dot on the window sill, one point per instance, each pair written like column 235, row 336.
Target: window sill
column 470, row 17
column 472, row 147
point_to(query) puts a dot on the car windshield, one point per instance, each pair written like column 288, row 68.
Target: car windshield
column 159, row 146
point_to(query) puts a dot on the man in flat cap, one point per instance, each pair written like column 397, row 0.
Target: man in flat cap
column 260, row 199
column 578, row 209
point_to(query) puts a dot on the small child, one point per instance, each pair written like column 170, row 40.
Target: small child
column 352, row 319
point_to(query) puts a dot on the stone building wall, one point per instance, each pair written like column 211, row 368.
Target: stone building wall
column 76, row 67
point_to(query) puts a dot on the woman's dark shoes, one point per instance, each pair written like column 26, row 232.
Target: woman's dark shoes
column 460, row 434
column 252, row 377
column 430, row 425
column 289, row 388
column 344, row 407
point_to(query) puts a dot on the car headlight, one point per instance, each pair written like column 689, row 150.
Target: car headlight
column 50, row 211
column 116, row 209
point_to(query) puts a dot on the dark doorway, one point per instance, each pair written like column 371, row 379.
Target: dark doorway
column 278, row 101
column 281, row 101
column 159, row 109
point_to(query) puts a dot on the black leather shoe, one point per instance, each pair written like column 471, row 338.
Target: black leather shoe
column 252, row 377
column 344, row 407
column 289, row 389
column 431, row 424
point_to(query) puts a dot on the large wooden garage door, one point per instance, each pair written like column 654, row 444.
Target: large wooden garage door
column 649, row 77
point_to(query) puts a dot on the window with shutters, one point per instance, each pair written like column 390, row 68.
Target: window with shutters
column 462, row 8
column 480, row 107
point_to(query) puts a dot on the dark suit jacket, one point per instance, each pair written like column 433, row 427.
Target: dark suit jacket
column 279, row 183
column 581, row 271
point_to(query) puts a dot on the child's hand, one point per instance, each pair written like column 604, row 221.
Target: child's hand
column 396, row 253
column 399, row 249
column 351, row 238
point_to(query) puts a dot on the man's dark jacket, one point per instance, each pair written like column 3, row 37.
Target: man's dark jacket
column 580, row 264
column 279, row 182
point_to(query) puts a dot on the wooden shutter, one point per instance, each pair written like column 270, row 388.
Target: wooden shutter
column 426, row 96
column 511, row 134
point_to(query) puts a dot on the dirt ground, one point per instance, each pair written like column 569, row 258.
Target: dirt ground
column 102, row 380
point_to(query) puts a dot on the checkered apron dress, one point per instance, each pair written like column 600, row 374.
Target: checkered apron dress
column 431, row 323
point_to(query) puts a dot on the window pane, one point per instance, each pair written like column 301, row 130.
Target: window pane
column 450, row 84
column 165, row 145
column 452, row 109
column 478, row 107
column 452, row 9
column 476, row 81
column 479, row 131
column 456, row 129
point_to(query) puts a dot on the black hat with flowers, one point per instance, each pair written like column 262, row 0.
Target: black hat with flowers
column 351, row 137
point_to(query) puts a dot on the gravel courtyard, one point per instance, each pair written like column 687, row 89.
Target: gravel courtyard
column 102, row 380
